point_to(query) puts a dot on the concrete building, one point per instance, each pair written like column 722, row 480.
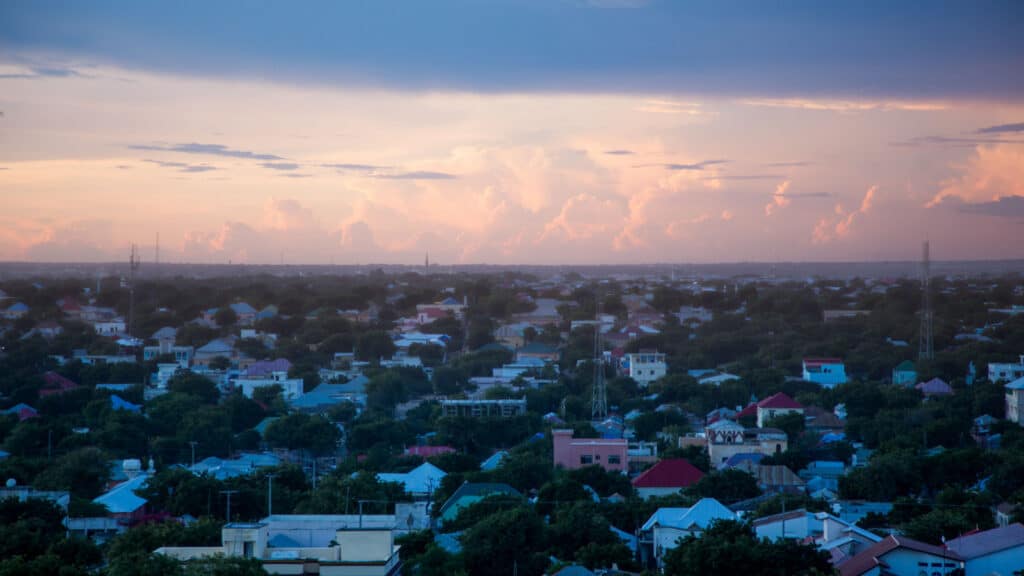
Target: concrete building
column 996, row 551
column 904, row 374
column 827, row 372
column 291, row 388
column 483, row 408
column 1015, row 401
column 667, row 526
column 612, row 454
column 645, row 366
column 1006, row 372
column 725, row 439
column 776, row 405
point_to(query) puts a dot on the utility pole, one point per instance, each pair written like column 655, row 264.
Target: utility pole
column 229, row 493
column 192, row 444
column 133, row 264
column 926, row 350
column 270, row 494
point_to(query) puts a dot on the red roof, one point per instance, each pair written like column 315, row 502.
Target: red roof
column 750, row 410
column 779, row 400
column 818, row 361
column 428, row 451
column 872, row 556
column 670, row 473
column 55, row 384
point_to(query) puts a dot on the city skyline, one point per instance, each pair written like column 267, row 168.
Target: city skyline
column 569, row 132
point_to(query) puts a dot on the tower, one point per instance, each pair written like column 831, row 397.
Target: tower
column 926, row 350
column 426, row 262
column 133, row 265
column 599, row 400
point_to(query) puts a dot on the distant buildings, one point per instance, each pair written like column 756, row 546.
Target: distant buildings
column 478, row 408
column 1006, row 372
column 666, row 477
column 827, row 372
column 725, row 438
column 1015, row 401
column 667, row 526
column 904, row 374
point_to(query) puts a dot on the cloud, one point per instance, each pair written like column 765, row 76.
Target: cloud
column 296, row 175
column 42, row 72
column 779, row 198
column 619, row 152
column 1003, row 207
column 415, row 175
column 356, row 167
column 841, row 222
column 846, row 106
column 954, row 141
column 181, row 166
column 727, row 215
column 280, row 165
column 1002, row 128
column 744, row 177
column 673, row 108
column 796, row 164
column 206, row 149
column 992, row 172
column 695, row 166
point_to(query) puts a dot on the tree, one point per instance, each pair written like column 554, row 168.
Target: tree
column 791, row 423
column 220, row 363
column 506, row 543
column 372, row 346
column 84, row 472
column 728, row 546
column 188, row 382
column 727, row 486
column 221, row 566
column 300, row 431
column 225, row 316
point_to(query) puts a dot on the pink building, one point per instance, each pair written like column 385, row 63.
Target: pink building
column 608, row 453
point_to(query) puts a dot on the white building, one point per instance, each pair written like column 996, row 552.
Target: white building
column 291, row 388
column 840, row 538
column 645, row 366
column 667, row 526
column 113, row 327
column 1006, row 372
column 1015, row 401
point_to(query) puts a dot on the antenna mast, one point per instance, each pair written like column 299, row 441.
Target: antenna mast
column 599, row 401
column 133, row 265
column 926, row 349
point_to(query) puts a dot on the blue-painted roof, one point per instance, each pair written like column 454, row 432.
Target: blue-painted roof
column 118, row 403
column 494, row 460
column 122, row 499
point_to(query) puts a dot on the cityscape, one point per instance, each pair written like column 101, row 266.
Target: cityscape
column 513, row 287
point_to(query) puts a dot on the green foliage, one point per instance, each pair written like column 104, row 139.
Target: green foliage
column 300, row 431
column 372, row 346
column 192, row 384
column 505, row 543
column 84, row 472
column 726, row 486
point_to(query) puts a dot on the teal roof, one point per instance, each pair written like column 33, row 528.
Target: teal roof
column 905, row 366
column 471, row 493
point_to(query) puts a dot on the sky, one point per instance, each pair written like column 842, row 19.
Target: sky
column 511, row 132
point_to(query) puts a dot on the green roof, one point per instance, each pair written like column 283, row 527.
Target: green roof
column 905, row 366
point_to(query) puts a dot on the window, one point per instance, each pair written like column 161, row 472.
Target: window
column 247, row 549
column 586, row 459
column 597, row 456
column 614, row 459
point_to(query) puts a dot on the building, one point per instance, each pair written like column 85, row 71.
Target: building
column 904, row 374
column 995, row 551
column 663, row 530
column 1015, row 401
column 900, row 555
column 829, row 315
column 330, row 545
column 827, row 372
column 934, row 388
column 420, row 482
column 244, row 313
column 776, row 405
column 112, row 327
column 841, row 539
column 484, row 408
column 612, row 454
column 725, row 439
column 16, row 310
column 182, row 354
column 1006, row 372
column 537, row 350
column 666, row 477
column 291, row 388
column 645, row 366
column 470, row 493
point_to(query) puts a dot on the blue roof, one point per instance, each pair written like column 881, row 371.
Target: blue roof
column 494, row 460
column 118, row 403
column 736, row 459
column 449, row 542
column 122, row 499
column 242, row 308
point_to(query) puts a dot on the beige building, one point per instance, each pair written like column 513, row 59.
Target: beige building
column 726, row 438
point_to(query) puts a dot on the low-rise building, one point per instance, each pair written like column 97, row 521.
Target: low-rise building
column 666, row 477
column 1006, row 372
column 995, row 551
column 1015, row 401
column 776, row 405
column 667, row 526
column 612, row 454
column 826, row 372
column 645, row 366
column 904, row 374
column 504, row 408
column 901, row 555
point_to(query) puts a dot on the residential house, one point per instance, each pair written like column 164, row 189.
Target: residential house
column 215, row 348
column 22, row 411
column 47, row 329
column 244, row 313
column 427, row 451
column 717, row 378
column 111, row 327
column 778, row 404
column 326, row 395
column 726, row 438
column 572, row 453
column 667, row 526
column 996, row 551
column 645, row 366
column 901, row 555
column 54, row 384
column 772, row 479
column 841, row 539
column 935, row 387
column 420, row 482
column 545, row 312
column 666, row 477
column 121, row 500
column 291, row 388
column 826, row 372
column 182, row 354
column 241, row 465
column 904, row 374
column 829, row 315
column 693, row 314
column 537, row 350
column 429, row 312
column 514, row 334
column 822, row 421
column 1006, row 372
column 1015, row 401
column 470, row 493
column 16, row 310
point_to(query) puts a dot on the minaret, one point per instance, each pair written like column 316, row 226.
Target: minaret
column 926, row 350
column 426, row 262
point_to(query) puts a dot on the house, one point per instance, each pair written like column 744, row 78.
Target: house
column 242, row 465
column 717, row 378
column 22, row 411
column 244, row 313
column 1015, row 401
column 771, row 479
column 612, row 454
column 213, row 349
column 514, row 334
column 291, row 388
column 428, row 451
column 830, row 315
column 725, row 438
column 900, row 555
column 1006, row 372
column 478, row 408
column 55, row 384
column 826, row 372
column 15, row 311
column 776, row 405
column 995, row 551
column 112, row 327
column 326, row 395
column 420, row 482
column 48, row 329
column 822, row 421
column 693, row 314
column 645, row 366
column 537, row 350
column 841, row 539
column 666, row 477
column 934, row 388
column 904, row 374
column 470, row 493
column 663, row 530
column 121, row 501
